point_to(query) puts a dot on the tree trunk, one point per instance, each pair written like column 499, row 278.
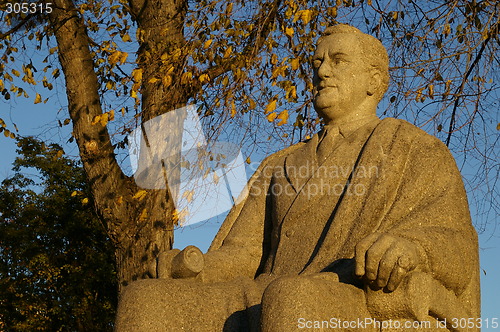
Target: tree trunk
column 141, row 227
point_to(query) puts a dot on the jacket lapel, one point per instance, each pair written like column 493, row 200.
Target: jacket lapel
column 310, row 211
column 300, row 165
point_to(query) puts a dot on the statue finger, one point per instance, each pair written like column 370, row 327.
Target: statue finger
column 387, row 264
column 397, row 274
column 374, row 255
column 360, row 253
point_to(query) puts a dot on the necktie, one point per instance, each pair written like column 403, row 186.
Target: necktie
column 326, row 143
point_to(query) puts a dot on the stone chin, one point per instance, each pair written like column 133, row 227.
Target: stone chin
column 325, row 98
column 324, row 103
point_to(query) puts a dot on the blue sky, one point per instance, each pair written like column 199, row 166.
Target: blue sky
column 41, row 120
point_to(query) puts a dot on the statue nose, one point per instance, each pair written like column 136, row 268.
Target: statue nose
column 324, row 71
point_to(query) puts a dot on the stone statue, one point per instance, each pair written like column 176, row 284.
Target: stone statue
column 364, row 226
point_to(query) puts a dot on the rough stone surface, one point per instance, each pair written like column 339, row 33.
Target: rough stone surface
column 368, row 220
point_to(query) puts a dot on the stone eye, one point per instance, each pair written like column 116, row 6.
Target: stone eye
column 317, row 63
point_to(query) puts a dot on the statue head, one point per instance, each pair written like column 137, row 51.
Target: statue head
column 350, row 73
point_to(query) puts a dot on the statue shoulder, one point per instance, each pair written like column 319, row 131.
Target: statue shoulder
column 407, row 131
column 278, row 156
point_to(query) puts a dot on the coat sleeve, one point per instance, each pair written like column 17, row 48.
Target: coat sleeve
column 242, row 243
column 431, row 210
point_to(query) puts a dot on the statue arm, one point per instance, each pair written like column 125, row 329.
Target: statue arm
column 240, row 245
column 431, row 211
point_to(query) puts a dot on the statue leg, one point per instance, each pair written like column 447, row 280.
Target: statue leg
column 155, row 305
column 314, row 303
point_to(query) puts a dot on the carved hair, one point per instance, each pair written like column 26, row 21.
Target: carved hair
column 373, row 50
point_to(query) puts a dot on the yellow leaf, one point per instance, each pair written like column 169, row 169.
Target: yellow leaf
column 292, row 92
column 176, row 53
column 270, row 117
column 248, row 161
column 274, row 59
column 216, row 178
column 96, row 119
column 233, row 109
column 119, row 200
column 140, row 195
column 204, row 78
column 186, row 77
column 498, row 126
column 228, row 52
column 153, row 80
column 306, row 15
column 74, row 193
column 166, row 80
column 53, row 50
column 332, row 11
column 207, row 43
column 123, row 57
column 188, row 194
column 109, row 85
column 283, row 116
column 104, row 120
column 137, row 74
column 295, row 63
column 111, row 115
column 85, row 201
column 229, row 8
column 289, row 31
column 16, row 73
column 144, row 215
column 252, row 104
column 38, row 99
column 175, row 216
column 126, row 38
column 369, row 2
column 114, row 57
column 431, row 91
column 271, row 107
column 139, row 34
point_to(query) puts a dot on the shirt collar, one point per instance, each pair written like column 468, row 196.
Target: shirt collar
column 347, row 128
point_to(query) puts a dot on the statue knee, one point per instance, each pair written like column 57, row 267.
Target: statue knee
column 286, row 300
column 288, row 289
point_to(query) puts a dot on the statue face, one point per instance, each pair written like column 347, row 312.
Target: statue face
column 341, row 76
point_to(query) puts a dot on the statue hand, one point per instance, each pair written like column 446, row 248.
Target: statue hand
column 187, row 263
column 384, row 260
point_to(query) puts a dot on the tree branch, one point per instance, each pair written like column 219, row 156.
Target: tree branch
column 263, row 27
column 96, row 151
column 460, row 90
column 17, row 27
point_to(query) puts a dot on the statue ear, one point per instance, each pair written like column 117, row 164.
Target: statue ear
column 375, row 82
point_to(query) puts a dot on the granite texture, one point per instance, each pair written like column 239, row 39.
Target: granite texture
column 367, row 220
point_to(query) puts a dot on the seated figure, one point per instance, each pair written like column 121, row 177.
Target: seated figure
column 364, row 226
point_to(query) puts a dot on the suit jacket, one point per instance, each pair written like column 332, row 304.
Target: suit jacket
column 303, row 216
